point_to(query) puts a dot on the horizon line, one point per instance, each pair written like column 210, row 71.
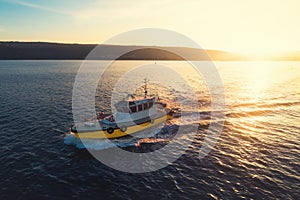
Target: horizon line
column 249, row 55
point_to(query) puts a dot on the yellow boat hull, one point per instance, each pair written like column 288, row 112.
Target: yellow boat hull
column 100, row 134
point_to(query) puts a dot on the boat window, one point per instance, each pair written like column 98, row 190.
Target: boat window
column 140, row 107
column 133, row 108
column 145, row 106
column 150, row 104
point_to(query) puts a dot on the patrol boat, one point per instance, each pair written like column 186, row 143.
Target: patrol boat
column 132, row 115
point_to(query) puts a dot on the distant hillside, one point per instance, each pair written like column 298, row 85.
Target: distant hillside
column 289, row 56
column 50, row 51
column 42, row 50
column 60, row 51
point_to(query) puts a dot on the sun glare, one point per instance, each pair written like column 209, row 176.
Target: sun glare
column 257, row 75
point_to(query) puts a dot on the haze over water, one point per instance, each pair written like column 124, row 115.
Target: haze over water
column 257, row 155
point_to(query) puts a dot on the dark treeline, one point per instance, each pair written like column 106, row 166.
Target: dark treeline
column 58, row 51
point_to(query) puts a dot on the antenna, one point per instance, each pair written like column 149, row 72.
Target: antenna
column 145, row 87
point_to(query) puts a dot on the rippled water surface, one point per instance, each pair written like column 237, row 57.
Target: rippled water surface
column 257, row 155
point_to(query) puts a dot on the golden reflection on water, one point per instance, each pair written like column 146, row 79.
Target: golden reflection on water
column 257, row 77
column 262, row 102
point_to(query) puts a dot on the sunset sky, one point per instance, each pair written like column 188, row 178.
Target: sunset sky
column 249, row 26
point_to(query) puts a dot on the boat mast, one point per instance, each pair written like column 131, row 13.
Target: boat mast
column 145, row 87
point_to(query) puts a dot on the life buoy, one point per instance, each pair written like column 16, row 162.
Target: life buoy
column 123, row 129
column 110, row 130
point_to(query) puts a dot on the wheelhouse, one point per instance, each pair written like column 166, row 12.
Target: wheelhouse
column 135, row 106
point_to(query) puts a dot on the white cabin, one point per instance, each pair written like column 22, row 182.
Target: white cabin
column 134, row 110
